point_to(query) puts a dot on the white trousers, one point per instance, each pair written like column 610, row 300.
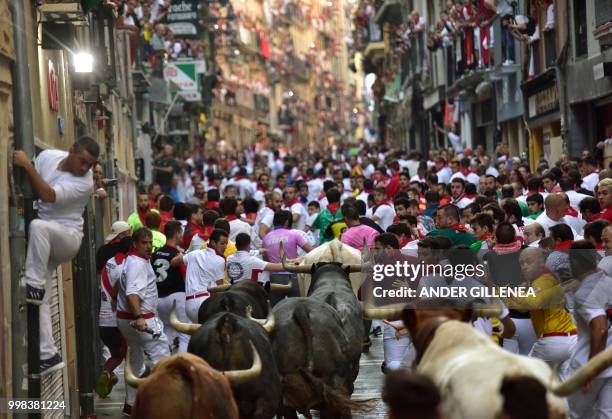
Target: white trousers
column 141, row 344
column 164, row 308
column 399, row 353
column 49, row 245
column 524, row 338
column 555, row 351
column 597, row 403
column 192, row 307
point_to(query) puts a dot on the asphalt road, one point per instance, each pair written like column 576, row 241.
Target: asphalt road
column 368, row 385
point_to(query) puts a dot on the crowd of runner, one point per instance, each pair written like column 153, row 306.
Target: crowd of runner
column 216, row 220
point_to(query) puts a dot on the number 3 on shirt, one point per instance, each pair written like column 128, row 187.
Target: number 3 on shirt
column 161, row 269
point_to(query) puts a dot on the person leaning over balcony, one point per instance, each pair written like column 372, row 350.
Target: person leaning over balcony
column 63, row 183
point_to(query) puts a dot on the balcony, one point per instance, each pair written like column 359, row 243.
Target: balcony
column 64, row 11
column 375, row 46
column 390, row 11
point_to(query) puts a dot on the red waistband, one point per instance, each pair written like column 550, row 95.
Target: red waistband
column 129, row 316
column 551, row 334
column 202, row 294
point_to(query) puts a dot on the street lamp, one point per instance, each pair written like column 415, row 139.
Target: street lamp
column 83, row 62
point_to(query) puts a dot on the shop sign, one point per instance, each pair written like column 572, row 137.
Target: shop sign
column 182, row 18
column 543, row 102
column 183, row 77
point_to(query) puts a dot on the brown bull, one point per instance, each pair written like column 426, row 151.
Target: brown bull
column 184, row 386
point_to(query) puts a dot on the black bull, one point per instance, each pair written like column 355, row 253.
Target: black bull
column 223, row 341
column 235, row 300
column 317, row 344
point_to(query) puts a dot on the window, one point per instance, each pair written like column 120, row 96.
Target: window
column 580, row 28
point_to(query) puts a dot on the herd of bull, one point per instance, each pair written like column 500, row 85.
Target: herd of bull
column 248, row 360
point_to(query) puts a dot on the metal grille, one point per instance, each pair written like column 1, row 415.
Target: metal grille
column 603, row 12
column 52, row 385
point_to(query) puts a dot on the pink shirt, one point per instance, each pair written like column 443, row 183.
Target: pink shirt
column 291, row 240
column 354, row 236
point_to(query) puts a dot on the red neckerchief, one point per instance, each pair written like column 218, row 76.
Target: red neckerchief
column 251, row 216
column 468, row 196
column 193, row 226
column 237, row 178
column 564, row 245
column 212, row 205
column 277, row 186
column 261, row 188
column 268, row 206
column 571, row 212
column 404, row 243
column 231, row 217
column 142, row 215
column 395, row 220
column 369, row 191
column 134, row 252
column 464, row 172
column 484, row 237
column 295, row 201
column 459, row 227
column 594, row 217
column 504, row 249
column 333, row 208
column 599, row 246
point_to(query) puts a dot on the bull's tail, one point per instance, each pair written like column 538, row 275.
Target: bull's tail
column 335, row 398
column 587, row 372
column 302, row 318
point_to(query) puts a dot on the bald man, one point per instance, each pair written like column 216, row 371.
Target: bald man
column 555, row 206
column 532, row 234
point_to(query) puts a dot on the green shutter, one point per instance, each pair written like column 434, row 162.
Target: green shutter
column 88, row 5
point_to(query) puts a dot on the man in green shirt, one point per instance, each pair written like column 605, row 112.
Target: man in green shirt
column 136, row 220
column 535, row 203
column 165, row 167
column 447, row 223
column 328, row 216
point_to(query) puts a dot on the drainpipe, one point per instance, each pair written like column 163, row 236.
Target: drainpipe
column 20, row 212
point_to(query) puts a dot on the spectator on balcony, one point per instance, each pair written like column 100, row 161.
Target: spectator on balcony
column 158, row 42
column 468, row 24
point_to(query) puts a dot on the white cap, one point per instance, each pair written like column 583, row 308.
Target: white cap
column 117, row 228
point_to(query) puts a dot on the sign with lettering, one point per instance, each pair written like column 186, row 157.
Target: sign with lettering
column 183, row 77
column 183, row 18
column 543, row 101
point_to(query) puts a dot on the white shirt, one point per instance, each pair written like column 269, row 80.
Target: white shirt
column 112, row 271
column 298, row 208
column 592, row 298
column 138, row 278
column 455, row 141
column 363, row 196
column 260, row 196
column 462, row 202
column 244, row 266
column 590, row 181
column 315, row 187
column 204, row 269
column 265, row 216
column 575, row 198
column 385, row 213
column 492, row 171
column 473, row 178
column 238, row 226
column 444, row 175
column 546, row 222
column 72, row 193
column 605, row 264
column 244, row 186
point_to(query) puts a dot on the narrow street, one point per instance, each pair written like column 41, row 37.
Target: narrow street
column 368, row 385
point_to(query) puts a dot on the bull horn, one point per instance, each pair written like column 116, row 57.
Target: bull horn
column 302, row 269
column 244, row 376
column 334, row 251
column 267, row 324
column 219, row 288
column 130, row 378
column 389, row 312
column 179, row 326
column 356, row 268
column 588, row 371
column 280, row 288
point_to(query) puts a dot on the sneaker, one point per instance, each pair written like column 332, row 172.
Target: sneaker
column 102, row 386
column 508, row 62
column 52, row 364
column 376, row 332
column 34, row 295
column 127, row 409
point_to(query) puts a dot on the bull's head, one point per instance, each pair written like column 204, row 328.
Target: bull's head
column 309, row 268
column 234, row 377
